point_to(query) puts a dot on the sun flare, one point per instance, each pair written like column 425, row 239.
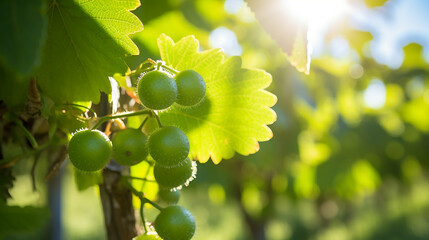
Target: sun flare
column 318, row 13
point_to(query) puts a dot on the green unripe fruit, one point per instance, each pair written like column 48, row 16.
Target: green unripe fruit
column 191, row 88
column 89, row 150
column 168, row 146
column 129, row 146
column 177, row 176
column 168, row 196
column 156, row 90
column 175, row 223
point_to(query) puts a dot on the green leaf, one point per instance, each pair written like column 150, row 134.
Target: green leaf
column 173, row 23
column 13, row 91
column 86, row 43
column 21, row 219
column 289, row 34
column 300, row 58
column 85, row 180
column 23, row 27
column 235, row 111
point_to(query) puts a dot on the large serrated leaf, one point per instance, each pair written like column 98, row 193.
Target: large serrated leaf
column 86, row 43
column 235, row 112
column 23, row 27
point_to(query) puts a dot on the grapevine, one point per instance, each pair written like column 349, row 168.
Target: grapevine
column 90, row 149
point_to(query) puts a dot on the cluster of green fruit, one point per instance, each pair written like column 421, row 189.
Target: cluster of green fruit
column 91, row 150
column 157, row 90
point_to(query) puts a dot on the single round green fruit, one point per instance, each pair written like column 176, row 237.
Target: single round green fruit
column 129, row 146
column 156, row 90
column 169, row 196
column 175, row 223
column 89, row 150
column 175, row 177
column 168, row 146
column 191, row 88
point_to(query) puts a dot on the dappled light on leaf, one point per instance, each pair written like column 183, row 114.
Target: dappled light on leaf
column 234, row 114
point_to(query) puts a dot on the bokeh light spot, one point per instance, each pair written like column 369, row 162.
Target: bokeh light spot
column 233, row 6
column 375, row 94
column 226, row 39
column 216, row 194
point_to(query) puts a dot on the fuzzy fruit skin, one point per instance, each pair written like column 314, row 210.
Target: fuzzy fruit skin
column 156, row 90
column 89, row 150
column 168, row 146
column 129, row 146
column 191, row 88
column 174, row 177
column 175, row 223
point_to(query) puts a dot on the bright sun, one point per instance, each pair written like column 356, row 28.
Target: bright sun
column 318, row 13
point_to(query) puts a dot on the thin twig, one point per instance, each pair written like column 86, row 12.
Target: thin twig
column 142, row 216
column 33, row 171
column 143, row 123
column 55, row 166
column 145, row 176
column 138, row 178
column 170, row 69
column 146, row 200
column 121, row 115
column 141, row 196
column 157, row 120
column 27, row 134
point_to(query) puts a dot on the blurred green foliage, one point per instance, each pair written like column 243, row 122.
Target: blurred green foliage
column 338, row 166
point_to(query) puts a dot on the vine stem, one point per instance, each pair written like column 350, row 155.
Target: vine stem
column 137, row 73
column 170, row 69
column 151, row 61
column 142, row 216
column 143, row 123
column 146, row 174
column 146, row 200
column 138, row 178
column 141, row 196
column 27, row 134
column 142, row 69
column 157, row 120
column 130, row 114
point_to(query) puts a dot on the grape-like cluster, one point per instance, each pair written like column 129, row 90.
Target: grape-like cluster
column 157, row 90
column 91, row 150
column 168, row 145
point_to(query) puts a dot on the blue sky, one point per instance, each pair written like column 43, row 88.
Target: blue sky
column 393, row 26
